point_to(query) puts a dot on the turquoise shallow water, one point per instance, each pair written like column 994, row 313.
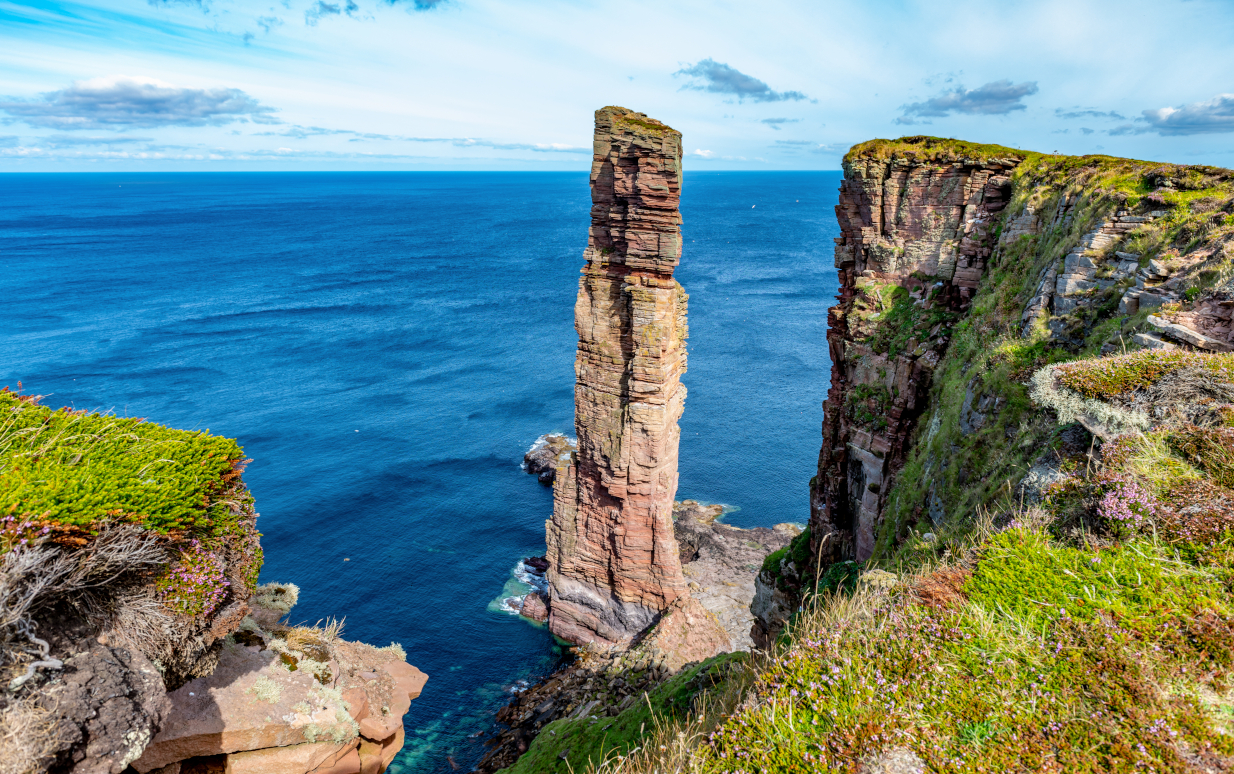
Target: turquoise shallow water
column 386, row 347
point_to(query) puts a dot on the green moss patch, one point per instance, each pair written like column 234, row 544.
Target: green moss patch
column 68, row 471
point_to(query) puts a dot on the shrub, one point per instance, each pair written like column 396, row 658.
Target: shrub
column 74, row 470
column 196, row 583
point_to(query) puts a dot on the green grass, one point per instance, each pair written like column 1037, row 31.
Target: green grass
column 1056, row 662
column 931, row 148
column 71, row 470
column 572, row 745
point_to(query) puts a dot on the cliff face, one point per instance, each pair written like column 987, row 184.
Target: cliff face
column 909, row 227
column 963, row 269
column 614, row 560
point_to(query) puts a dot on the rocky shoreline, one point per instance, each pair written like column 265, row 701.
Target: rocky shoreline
column 720, row 562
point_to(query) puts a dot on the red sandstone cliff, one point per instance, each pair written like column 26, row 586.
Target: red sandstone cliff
column 614, row 560
column 920, row 225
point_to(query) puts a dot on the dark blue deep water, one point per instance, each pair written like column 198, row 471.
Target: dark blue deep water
column 386, row 346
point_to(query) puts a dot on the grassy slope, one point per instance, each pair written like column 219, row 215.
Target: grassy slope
column 574, row 745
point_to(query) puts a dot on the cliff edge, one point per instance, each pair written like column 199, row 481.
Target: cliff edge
column 133, row 634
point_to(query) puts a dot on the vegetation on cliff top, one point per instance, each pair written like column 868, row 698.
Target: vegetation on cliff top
column 68, row 476
column 923, row 148
column 1093, row 633
column 66, row 472
column 581, row 744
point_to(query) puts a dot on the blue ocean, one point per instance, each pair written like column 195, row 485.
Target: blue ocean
column 386, row 346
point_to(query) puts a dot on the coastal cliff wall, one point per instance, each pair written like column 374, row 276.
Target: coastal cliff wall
column 916, row 237
column 963, row 268
column 614, row 564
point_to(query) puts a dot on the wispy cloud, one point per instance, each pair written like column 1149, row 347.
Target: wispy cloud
column 122, row 102
column 719, row 78
column 809, row 146
column 204, row 5
column 63, row 140
column 776, row 123
column 995, row 98
column 302, row 132
column 422, row 5
column 321, row 8
column 9, row 140
column 1088, row 113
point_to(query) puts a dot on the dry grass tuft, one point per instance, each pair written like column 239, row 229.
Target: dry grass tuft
column 27, row 738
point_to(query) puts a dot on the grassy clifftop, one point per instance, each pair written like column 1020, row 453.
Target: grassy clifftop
column 67, row 472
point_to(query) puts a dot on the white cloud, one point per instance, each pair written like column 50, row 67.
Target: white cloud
column 1214, row 116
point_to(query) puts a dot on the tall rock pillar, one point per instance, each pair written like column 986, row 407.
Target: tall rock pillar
column 614, row 560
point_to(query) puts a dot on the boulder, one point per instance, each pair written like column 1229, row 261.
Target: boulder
column 269, row 720
column 534, row 607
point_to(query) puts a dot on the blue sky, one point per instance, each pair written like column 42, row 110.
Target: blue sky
column 498, row 84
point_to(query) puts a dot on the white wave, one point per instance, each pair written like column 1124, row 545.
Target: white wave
column 518, row 686
column 512, row 605
column 525, row 574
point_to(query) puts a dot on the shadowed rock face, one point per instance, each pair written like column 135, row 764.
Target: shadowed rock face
column 615, row 564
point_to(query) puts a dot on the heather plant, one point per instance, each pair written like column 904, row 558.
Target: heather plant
column 1109, row 377
column 1127, row 503
column 20, row 532
column 196, row 583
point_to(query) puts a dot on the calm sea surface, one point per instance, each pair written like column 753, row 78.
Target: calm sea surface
column 385, row 346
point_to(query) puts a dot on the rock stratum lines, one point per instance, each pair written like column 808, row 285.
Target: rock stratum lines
column 615, row 563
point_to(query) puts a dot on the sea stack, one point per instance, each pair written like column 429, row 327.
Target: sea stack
column 615, row 566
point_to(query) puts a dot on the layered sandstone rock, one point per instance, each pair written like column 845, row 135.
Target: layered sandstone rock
column 615, row 565
column 919, row 225
column 288, row 700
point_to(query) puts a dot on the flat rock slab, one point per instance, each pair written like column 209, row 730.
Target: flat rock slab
column 724, row 562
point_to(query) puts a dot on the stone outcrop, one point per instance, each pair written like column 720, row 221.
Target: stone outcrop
column 720, row 563
column 918, row 225
column 614, row 560
column 549, row 450
column 288, row 700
